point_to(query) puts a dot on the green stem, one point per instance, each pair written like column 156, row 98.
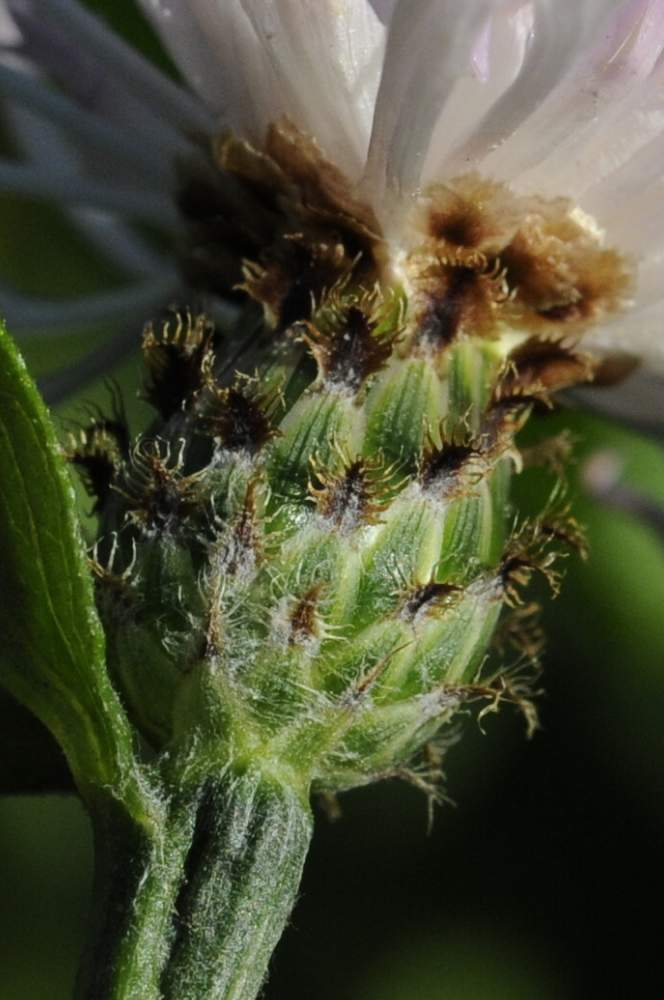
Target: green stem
column 195, row 913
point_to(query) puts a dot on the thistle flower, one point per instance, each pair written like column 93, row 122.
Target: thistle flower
column 433, row 218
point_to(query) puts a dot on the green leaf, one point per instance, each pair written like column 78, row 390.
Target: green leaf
column 51, row 641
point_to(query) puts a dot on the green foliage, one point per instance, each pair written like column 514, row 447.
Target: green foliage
column 52, row 652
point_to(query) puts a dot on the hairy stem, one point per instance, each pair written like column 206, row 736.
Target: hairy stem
column 195, row 912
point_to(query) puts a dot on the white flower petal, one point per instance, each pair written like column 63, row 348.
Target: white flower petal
column 253, row 61
column 89, row 41
column 33, row 316
column 644, row 232
column 384, row 9
column 628, row 112
column 190, row 48
column 585, row 100
column 628, row 157
column 550, row 47
column 650, row 287
column 497, row 60
column 216, row 49
column 325, row 56
column 100, row 141
column 430, row 46
column 632, row 211
column 9, row 33
column 638, row 121
column 37, row 138
column 639, row 332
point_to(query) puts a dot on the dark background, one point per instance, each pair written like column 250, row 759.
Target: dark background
column 542, row 881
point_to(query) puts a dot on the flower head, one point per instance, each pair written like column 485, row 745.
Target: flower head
column 402, row 97
column 516, row 137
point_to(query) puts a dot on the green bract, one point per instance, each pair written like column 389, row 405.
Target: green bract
column 302, row 565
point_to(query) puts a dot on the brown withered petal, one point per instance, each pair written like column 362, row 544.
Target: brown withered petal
column 547, row 363
column 470, row 212
column 559, row 272
column 322, row 186
column 454, row 300
column 615, row 368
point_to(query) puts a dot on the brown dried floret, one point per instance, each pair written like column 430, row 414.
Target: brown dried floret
column 550, row 364
column 455, row 270
column 484, row 259
column 322, row 187
column 470, row 213
column 288, row 213
column 614, row 368
column 289, row 282
column 561, row 274
column 452, row 300
column 516, row 392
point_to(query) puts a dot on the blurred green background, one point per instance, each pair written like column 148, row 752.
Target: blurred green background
column 543, row 881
